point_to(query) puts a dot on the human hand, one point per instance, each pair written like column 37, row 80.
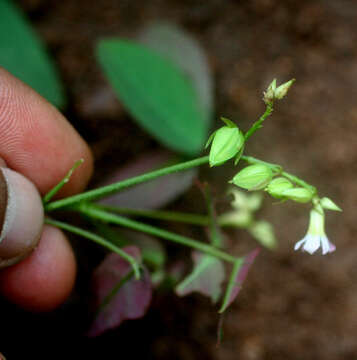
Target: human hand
column 38, row 142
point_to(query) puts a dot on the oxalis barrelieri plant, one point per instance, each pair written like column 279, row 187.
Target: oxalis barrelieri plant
column 226, row 143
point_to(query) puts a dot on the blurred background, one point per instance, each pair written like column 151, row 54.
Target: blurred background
column 293, row 305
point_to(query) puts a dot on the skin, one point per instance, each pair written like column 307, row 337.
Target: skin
column 38, row 142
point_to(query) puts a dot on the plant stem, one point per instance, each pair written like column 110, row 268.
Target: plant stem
column 231, row 283
column 175, row 216
column 95, row 212
column 214, row 230
column 99, row 240
column 65, row 180
column 258, row 124
column 114, row 291
column 121, row 185
column 188, row 218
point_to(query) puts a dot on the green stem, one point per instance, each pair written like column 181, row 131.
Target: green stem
column 188, row 218
column 252, row 160
column 99, row 240
column 258, row 124
column 231, row 284
column 64, row 181
column 214, row 231
column 114, row 291
column 95, row 212
column 121, row 185
column 175, row 216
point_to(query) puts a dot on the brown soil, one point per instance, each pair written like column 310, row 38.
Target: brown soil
column 293, row 306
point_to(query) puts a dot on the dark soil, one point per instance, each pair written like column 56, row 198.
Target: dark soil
column 293, row 306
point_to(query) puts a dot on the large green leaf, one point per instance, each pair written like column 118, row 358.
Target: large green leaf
column 22, row 54
column 156, row 92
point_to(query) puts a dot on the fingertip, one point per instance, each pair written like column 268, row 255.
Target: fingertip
column 37, row 140
column 44, row 280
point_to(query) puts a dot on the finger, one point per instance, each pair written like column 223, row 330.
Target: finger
column 37, row 141
column 45, row 279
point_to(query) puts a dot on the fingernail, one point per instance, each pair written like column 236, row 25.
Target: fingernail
column 21, row 217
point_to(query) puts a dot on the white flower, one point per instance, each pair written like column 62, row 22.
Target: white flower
column 316, row 236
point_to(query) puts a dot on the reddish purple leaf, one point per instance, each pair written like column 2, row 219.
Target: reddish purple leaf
column 115, row 299
column 239, row 273
column 153, row 194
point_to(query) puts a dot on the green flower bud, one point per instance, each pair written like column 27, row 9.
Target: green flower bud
column 226, row 143
column 253, row 177
column 328, row 204
column 278, row 186
column 298, row 194
column 282, row 90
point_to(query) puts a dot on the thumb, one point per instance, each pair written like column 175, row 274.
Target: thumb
column 21, row 217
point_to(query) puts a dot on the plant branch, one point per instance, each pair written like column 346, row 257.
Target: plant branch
column 99, row 240
column 121, row 185
column 258, row 124
column 95, row 212
column 188, row 218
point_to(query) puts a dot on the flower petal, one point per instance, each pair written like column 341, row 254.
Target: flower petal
column 332, row 247
column 325, row 244
column 298, row 244
column 312, row 243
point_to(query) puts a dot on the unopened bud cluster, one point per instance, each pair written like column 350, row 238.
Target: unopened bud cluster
column 276, row 93
column 260, row 177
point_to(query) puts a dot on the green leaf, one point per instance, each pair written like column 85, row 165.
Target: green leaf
column 157, row 94
column 206, row 278
column 23, row 55
column 187, row 53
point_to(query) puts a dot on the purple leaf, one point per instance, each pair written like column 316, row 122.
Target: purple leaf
column 238, row 275
column 153, row 194
column 206, row 277
column 116, row 299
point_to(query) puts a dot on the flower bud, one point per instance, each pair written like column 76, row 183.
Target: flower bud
column 226, row 143
column 276, row 93
column 299, row 194
column 278, row 186
column 253, row 177
column 282, row 90
column 269, row 95
column 328, row 204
